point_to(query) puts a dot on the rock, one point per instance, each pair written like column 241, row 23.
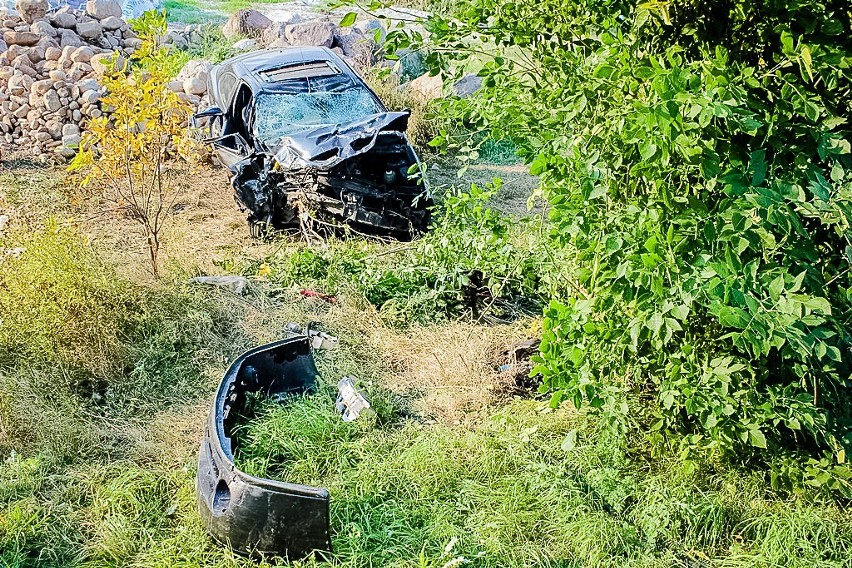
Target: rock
column 467, row 85
column 32, row 10
column 176, row 39
column 427, row 87
column 54, row 128
column 4, row 219
column 57, row 75
column 70, row 130
column 374, row 29
column 101, row 9
column 112, row 23
column 279, row 43
column 66, row 152
column 43, row 28
column 70, row 38
column 88, row 85
column 102, row 63
column 194, row 86
column 412, row 64
column 195, row 68
column 82, row 54
column 90, row 97
column 90, row 30
column 175, row 86
column 51, row 101
column 247, row 44
column 52, row 53
column 72, row 140
column 316, row 33
column 21, row 38
column 246, row 22
column 64, row 20
column 41, row 87
column 3, row 46
column 356, row 46
column 276, row 31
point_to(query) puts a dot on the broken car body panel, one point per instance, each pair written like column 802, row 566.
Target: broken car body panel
column 300, row 132
column 250, row 514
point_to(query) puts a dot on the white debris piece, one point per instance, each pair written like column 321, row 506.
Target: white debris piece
column 236, row 284
column 350, row 403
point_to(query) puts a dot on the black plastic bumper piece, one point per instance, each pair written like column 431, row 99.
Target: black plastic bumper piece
column 253, row 515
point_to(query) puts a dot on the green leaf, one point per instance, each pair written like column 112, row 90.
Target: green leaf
column 805, row 53
column 570, row 441
column 348, row 19
column 647, row 150
column 756, row 438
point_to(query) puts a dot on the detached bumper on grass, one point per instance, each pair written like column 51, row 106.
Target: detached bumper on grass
column 250, row 514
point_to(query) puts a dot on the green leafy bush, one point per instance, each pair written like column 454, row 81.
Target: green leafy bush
column 696, row 158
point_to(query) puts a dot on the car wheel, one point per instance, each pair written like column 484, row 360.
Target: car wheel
column 258, row 229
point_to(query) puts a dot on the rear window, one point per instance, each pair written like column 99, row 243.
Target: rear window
column 300, row 71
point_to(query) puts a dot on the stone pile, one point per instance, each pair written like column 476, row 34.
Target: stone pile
column 51, row 62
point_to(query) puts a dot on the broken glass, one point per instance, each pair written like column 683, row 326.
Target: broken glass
column 282, row 114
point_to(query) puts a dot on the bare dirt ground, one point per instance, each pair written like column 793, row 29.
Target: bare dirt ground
column 446, row 373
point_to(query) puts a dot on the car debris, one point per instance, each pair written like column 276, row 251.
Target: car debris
column 236, row 284
column 319, row 339
column 350, row 402
column 308, row 143
column 255, row 515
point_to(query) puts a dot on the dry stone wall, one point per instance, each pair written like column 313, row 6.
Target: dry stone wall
column 51, row 63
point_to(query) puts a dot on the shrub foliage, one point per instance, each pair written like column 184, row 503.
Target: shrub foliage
column 696, row 158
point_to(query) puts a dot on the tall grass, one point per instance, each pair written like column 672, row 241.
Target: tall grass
column 509, row 492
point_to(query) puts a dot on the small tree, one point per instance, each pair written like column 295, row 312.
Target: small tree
column 129, row 157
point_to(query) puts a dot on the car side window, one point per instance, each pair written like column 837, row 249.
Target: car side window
column 228, row 84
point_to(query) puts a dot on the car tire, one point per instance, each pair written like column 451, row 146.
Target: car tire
column 258, row 229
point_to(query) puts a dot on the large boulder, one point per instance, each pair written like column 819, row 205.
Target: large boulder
column 194, row 86
column 195, row 69
column 70, row 38
column 276, row 31
column 315, row 33
column 100, row 9
column 246, row 22
column 467, row 85
column 427, row 87
column 356, row 46
column 112, row 23
column 32, row 10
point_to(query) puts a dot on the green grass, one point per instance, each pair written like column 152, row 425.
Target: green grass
column 508, row 493
column 207, row 11
column 105, row 384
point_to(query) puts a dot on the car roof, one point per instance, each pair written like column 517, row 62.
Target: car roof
column 251, row 67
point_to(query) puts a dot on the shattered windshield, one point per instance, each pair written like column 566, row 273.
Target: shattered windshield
column 282, row 114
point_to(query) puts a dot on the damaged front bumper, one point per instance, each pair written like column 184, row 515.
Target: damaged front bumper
column 250, row 514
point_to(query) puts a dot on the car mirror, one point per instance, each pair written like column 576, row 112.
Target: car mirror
column 212, row 112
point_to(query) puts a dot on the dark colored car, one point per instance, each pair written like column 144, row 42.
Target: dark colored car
column 305, row 138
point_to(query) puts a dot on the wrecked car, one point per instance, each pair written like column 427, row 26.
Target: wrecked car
column 306, row 140
column 255, row 515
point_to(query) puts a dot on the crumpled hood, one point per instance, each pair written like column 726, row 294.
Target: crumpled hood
column 327, row 146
